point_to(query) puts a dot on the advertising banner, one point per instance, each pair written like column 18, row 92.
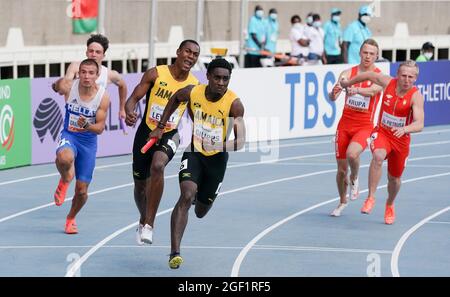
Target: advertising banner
column 47, row 117
column 434, row 84
column 290, row 102
column 15, row 146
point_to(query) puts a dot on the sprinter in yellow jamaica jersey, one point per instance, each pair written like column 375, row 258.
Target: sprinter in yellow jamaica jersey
column 158, row 84
column 213, row 109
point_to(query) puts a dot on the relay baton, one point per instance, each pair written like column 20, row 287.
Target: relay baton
column 123, row 126
column 148, row 145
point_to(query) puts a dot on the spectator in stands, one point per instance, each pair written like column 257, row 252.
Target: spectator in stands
column 256, row 41
column 427, row 52
column 273, row 31
column 299, row 49
column 309, row 19
column 333, row 37
column 314, row 35
column 355, row 34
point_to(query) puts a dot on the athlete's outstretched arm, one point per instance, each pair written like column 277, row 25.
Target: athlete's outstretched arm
column 418, row 117
column 182, row 95
column 117, row 79
column 377, row 78
column 237, row 113
column 100, row 116
column 70, row 75
column 139, row 92
column 337, row 88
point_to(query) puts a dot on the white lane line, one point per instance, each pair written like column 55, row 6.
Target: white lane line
column 248, row 146
column 53, row 204
column 117, row 233
column 178, row 156
column 437, row 222
column 240, row 258
column 319, row 249
column 57, row 174
column 404, row 238
column 7, row 218
column 76, row 266
column 256, row 247
column 166, row 177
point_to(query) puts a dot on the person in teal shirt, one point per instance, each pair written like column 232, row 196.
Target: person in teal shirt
column 355, row 34
column 272, row 29
column 333, row 37
column 427, row 52
column 256, row 40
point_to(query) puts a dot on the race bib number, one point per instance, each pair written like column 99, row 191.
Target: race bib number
column 358, row 102
column 156, row 112
column 73, row 122
column 391, row 121
column 209, row 134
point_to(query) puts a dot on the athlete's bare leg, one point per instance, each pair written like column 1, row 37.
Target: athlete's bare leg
column 180, row 214
column 354, row 150
column 141, row 187
column 394, row 184
column 65, row 164
column 341, row 179
column 375, row 170
column 159, row 163
column 79, row 199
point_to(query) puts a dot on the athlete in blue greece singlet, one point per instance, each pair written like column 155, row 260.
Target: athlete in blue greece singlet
column 82, row 143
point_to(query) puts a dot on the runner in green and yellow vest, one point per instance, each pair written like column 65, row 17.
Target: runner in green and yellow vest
column 158, row 84
column 214, row 109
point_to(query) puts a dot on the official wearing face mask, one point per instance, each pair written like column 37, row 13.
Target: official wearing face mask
column 355, row 34
column 272, row 29
column 427, row 52
column 315, row 35
column 257, row 38
column 333, row 37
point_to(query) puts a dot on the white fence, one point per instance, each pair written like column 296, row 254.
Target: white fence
column 132, row 57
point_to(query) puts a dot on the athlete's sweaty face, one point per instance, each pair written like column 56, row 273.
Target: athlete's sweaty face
column 187, row 56
column 218, row 78
column 368, row 54
column 95, row 51
column 407, row 76
column 88, row 74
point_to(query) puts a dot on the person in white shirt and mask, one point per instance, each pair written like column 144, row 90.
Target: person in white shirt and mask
column 299, row 48
column 315, row 36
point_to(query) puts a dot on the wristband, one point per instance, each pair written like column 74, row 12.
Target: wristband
column 161, row 125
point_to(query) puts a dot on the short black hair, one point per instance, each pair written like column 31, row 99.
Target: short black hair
column 296, row 17
column 427, row 46
column 219, row 63
column 99, row 38
column 89, row 62
column 184, row 42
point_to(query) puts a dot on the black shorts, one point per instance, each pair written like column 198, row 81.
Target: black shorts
column 206, row 172
column 168, row 144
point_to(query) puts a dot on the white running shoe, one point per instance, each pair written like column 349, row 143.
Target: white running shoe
column 354, row 189
column 337, row 211
column 147, row 234
column 138, row 234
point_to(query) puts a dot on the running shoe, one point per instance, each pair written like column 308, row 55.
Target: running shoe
column 389, row 214
column 175, row 260
column 139, row 234
column 337, row 211
column 71, row 226
column 147, row 234
column 354, row 189
column 368, row 205
column 60, row 193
